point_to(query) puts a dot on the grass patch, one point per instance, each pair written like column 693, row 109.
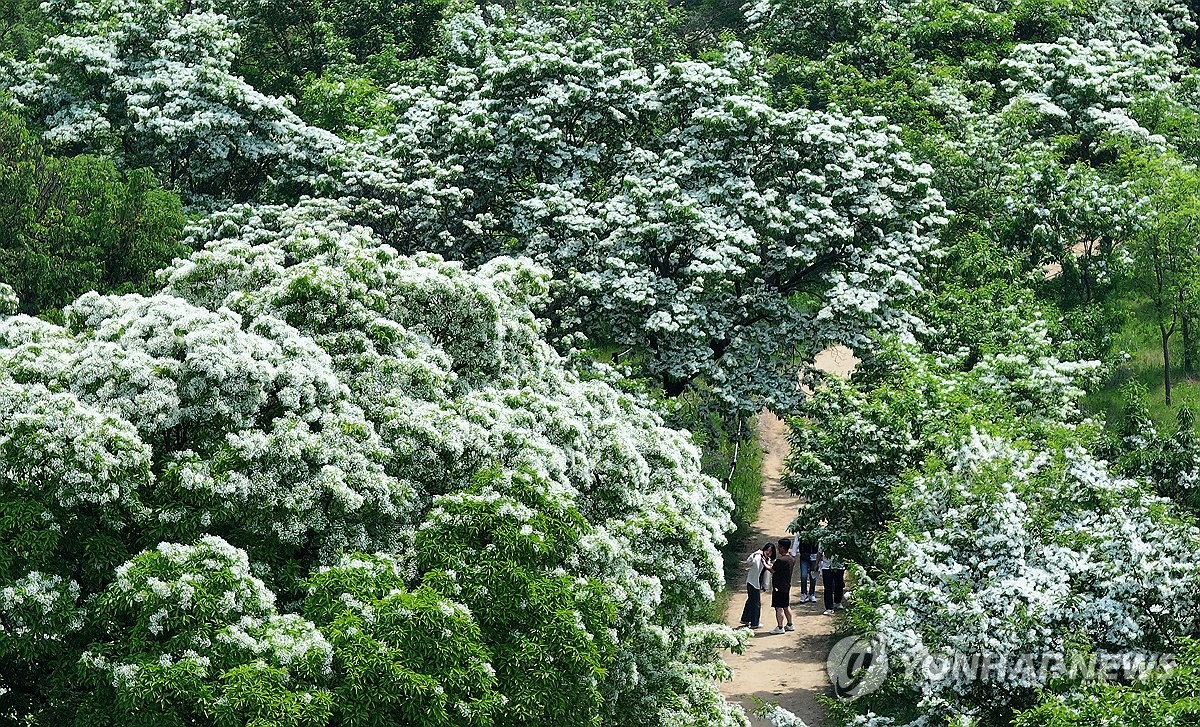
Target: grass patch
column 745, row 485
column 1138, row 337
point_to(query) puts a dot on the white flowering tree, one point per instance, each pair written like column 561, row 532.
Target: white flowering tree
column 856, row 440
column 1006, row 551
column 966, row 486
column 987, row 528
column 1085, row 87
column 190, row 633
column 1073, row 216
column 187, row 477
column 684, row 219
column 1021, row 108
column 151, row 84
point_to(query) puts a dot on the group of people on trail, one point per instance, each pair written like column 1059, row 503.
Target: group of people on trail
column 772, row 568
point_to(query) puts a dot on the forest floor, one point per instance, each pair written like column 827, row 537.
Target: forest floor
column 787, row 669
column 1138, row 336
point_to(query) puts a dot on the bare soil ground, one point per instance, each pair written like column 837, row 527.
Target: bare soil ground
column 788, row 669
column 1079, row 249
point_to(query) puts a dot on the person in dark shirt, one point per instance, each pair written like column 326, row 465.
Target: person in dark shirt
column 808, row 567
column 833, row 579
column 781, row 587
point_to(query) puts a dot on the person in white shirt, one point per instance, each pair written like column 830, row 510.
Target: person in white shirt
column 752, row 613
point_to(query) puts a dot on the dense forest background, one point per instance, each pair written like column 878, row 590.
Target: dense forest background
column 380, row 363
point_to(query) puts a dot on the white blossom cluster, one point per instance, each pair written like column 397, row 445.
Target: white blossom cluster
column 1052, row 209
column 67, row 452
column 1087, row 86
column 493, row 393
column 220, row 426
column 831, row 19
column 300, row 390
column 689, row 242
column 206, row 614
column 150, row 83
column 1153, row 22
column 36, row 612
column 8, row 299
column 1036, row 382
column 1008, row 552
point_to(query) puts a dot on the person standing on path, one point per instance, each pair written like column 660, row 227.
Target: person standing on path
column 768, row 558
column 781, row 587
column 833, row 581
column 807, row 566
column 752, row 613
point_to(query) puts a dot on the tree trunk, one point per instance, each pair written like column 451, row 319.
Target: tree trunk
column 1166, row 351
column 1189, row 360
column 1085, row 274
column 673, row 387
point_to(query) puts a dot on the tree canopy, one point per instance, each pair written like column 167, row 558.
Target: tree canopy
column 190, row 475
column 387, row 363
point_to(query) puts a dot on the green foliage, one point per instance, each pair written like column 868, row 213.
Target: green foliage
column 1169, row 458
column 375, row 32
column 498, row 548
column 294, row 48
column 732, row 453
column 882, row 57
column 737, row 462
column 1168, row 250
column 745, row 481
column 77, row 224
column 1136, row 354
column 341, row 100
column 282, row 43
column 23, row 30
column 1161, row 698
column 1173, row 119
column 400, row 657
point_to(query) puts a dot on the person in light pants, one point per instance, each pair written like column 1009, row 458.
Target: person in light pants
column 807, row 564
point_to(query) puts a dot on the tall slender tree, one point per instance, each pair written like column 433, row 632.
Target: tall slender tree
column 1168, row 250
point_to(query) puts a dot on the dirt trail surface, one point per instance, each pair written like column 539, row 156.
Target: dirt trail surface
column 787, row 669
column 1079, row 249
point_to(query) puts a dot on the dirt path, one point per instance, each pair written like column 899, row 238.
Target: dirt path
column 1079, row 249
column 788, row 669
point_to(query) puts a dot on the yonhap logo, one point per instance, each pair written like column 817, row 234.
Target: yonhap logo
column 857, row 665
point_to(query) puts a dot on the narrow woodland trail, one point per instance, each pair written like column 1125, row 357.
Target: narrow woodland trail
column 787, row 669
